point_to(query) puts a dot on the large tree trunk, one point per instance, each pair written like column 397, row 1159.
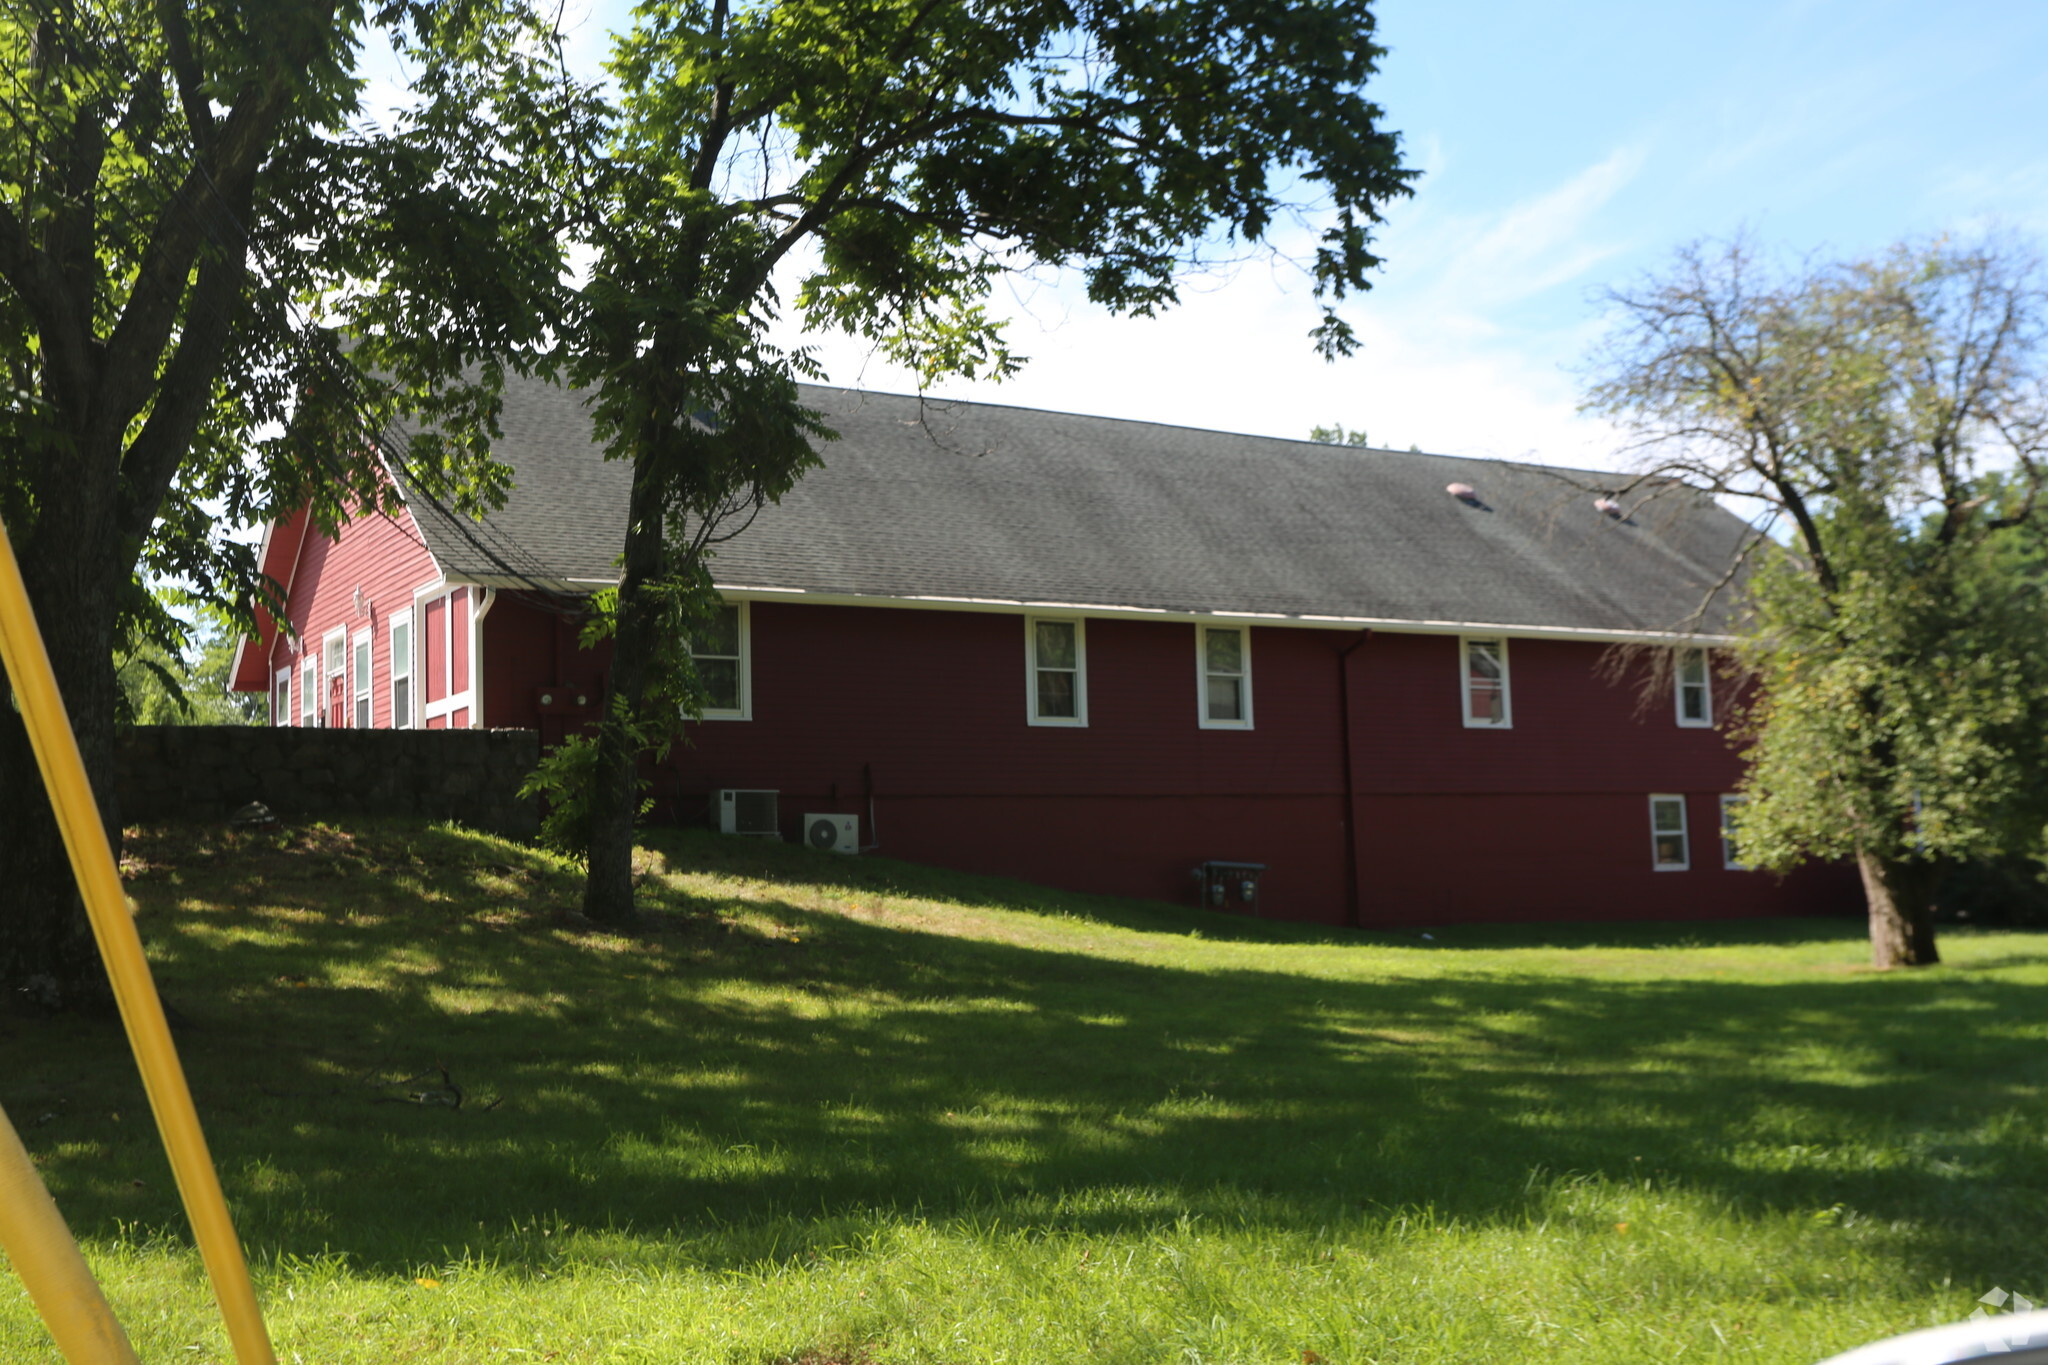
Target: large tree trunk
column 615, row 790
column 1900, row 894
column 47, row 956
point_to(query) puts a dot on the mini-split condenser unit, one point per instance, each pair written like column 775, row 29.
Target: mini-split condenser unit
column 740, row 811
column 833, row 833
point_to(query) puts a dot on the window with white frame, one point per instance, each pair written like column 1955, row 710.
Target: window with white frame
column 401, row 670
column 309, row 691
column 334, row 677
column 281, row 697
column 1484, row 684
column 1670, row 850
column 719, row 649
column 1056, row 667
column 1692, row 678
column 1224, row 668
column 1731, row 857
column 359, row 684
column 445, row 655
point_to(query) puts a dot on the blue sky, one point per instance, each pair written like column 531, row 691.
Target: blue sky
column 1564, row 148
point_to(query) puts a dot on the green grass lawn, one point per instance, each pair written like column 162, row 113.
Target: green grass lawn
column 827, row 1110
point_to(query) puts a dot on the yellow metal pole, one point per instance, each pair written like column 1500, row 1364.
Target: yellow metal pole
column 48, row 1262
column 142, row 1013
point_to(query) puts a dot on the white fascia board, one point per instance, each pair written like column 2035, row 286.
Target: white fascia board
column 405, row 509
column 738, row 592
column 284, row 621
column 748, row 592
column 242, row 641
column 405, row 505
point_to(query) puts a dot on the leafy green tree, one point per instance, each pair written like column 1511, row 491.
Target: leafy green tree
column 902, row 155
column 186, row 681
column 177, row 183
column 1338, row 435
column 1890, row 414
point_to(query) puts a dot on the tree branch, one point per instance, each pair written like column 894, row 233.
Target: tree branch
column 66, row 348
column 720, row 126
column 182, row 230
column 182, row 398
column 170, row 15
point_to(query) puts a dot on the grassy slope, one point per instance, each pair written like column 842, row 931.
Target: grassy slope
column 835, row 1110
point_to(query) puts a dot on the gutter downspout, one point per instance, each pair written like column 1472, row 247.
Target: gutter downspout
column 1351, row 917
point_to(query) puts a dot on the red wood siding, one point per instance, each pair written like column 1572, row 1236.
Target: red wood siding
column 384, row 560
column 1548, row 819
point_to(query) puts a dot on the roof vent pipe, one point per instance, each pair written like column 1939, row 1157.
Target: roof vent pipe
column 1609, row 506
column 1463, row 492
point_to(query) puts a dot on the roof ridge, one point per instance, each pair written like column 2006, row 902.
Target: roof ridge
column 1331, row 446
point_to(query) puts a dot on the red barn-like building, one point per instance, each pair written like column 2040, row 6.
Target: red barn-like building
column 1099, row 653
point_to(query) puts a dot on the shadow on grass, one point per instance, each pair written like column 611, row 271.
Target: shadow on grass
column 757, row 1076
column 889, row 877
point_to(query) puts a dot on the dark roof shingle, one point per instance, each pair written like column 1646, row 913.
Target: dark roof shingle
column 979, row 501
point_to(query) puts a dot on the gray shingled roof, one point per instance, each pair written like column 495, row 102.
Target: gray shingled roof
column 985, row 502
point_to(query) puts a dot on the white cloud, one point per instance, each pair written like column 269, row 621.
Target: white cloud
column 1440, row 367
column 1537, row 244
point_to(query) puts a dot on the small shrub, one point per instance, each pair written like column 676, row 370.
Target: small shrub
column 562, row 780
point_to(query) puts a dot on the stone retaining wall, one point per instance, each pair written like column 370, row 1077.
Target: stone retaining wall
column 207, row 771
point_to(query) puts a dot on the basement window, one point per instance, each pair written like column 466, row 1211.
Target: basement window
column 1223, row 673
column 1693, row 681
column 1056, row 670
column 1484, row 684
column 720, row 652
column 1670, row 850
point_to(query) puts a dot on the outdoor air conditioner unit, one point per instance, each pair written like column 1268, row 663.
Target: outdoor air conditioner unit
column 740, row 811
column 833, row 833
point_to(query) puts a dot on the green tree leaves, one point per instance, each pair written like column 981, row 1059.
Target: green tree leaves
column 1890, row 414
column 908, row 153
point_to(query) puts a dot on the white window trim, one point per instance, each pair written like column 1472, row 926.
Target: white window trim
column 412, row 670
column 1079, row 720
column 453, row 701
column 1507, row 689
column 746, row 706
column 1728, row 863
column 479, row 603
column 1678, row 686
column 1684, row 832
column 309, row 691
column 281, row 715
column 362, row 642
column 327, row 679
column 1244, row 693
